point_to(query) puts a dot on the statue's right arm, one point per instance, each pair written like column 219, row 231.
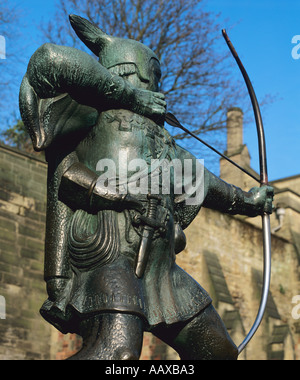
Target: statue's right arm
column 55, row 70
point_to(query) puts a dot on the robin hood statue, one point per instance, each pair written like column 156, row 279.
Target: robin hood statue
column 113, row 226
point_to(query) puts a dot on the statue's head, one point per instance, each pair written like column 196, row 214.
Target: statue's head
column 125, row 57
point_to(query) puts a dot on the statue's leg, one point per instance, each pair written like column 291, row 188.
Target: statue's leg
column 111, row 336
column 203, row 338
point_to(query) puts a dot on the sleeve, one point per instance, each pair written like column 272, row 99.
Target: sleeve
column 191, row 189
column 63, row 91
column 201, row 188
column 55, row 70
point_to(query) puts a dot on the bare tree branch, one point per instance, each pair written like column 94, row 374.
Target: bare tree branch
column 196, row 75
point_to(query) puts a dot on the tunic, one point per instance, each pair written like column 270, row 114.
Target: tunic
column 94, row 251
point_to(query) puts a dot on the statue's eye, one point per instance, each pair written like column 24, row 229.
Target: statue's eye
column 156, row 68
column 158, row 73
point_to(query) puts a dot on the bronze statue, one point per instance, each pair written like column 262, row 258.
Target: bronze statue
column 110, row 249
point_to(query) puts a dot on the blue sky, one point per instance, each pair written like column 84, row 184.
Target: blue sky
column 262, row 32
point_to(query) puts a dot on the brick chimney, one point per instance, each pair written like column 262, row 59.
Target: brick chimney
column 234, row 131
column 237, row 151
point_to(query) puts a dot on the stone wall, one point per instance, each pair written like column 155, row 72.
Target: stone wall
column 23, row 334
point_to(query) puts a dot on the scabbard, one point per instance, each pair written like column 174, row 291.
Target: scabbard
column 144, row 251
column 147, row 237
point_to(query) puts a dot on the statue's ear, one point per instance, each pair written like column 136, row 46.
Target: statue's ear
column 90, row 34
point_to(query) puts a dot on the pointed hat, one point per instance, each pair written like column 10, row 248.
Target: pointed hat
column 111, row 50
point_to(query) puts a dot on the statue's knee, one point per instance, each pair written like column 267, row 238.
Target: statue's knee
column 230, row 352
column 235, row 353
column 221, row 348
column 129, row 355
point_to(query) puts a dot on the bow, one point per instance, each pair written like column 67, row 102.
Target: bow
column 171, row 119
column 263, row 181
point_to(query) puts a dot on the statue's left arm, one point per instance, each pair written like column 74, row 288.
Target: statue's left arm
column 212, row 192
column 231, row 199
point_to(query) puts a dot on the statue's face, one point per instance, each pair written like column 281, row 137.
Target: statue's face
column 129, row 53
